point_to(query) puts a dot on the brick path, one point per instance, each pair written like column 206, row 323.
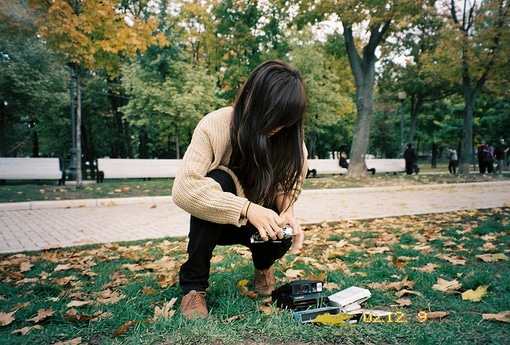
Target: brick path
column 48, row 225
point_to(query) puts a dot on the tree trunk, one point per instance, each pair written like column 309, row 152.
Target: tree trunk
column 78, row 131
column 3, row 130
column 360, row 140
column 416, row 103
column 466, row 157
column 177, row 148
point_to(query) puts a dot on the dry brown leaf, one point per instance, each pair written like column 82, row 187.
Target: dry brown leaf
column 166, row 311
column 378, row 250
column 331, row 286
column 148, row 291
column 407, row 292
column 41, row 315
column 74, row 341
column 216, row 259
column 428, row 268
column 503, row 316
column 393, row 285
column 293, row 274
column 475, row 295
column 25, row 330
column 446, row 286
column 492, row 257
column 109, row 297
column 453, row 259
column 61, row 267
column 436, row 315
column 403, row 302
column 25, row 266
column 7, row 318
column 266, row 309
column 76, row 304
column 122, row 329
column 232, row 318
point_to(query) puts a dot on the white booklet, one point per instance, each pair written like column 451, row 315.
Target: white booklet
column 351, row 295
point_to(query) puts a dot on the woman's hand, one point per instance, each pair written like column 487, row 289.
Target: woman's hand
column 299, row 235
column 267, row 221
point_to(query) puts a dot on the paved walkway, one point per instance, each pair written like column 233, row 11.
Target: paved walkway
column 40, row 225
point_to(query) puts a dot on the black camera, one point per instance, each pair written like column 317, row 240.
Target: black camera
column 299, row 295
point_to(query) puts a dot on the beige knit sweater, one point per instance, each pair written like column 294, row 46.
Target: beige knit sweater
column 210, row 149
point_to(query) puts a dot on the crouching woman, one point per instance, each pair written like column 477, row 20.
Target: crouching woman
column 241, row 174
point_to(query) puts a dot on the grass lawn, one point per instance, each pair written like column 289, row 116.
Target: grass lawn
column 119, row 286
column 17, row 192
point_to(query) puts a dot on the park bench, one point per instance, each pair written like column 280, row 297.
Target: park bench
column 14, row 168
column 123, row 168
column 330, row 166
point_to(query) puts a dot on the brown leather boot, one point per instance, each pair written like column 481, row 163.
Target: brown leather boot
column 193, row 305
column 264, row 281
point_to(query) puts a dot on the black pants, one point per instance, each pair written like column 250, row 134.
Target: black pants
column 205, row 235
column 452, row 167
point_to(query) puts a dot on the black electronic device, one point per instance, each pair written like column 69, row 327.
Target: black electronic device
column 299, row 295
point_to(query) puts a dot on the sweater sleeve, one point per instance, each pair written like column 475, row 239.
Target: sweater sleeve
column 201, row 195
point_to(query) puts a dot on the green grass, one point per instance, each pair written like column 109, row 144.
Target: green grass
column 463, row 325
column 22, row 191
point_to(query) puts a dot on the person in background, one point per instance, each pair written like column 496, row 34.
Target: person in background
column 500, row 153
column 411, row 159
column 342, row 162
column 453, row 161
column 484, row 158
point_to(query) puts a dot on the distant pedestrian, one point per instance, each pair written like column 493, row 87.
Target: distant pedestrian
column 453, row 161
column 343, row 163
column 500, row 153
column 411, row 160
column 484, row 158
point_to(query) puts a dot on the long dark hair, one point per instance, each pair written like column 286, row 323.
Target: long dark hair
column 274, row 96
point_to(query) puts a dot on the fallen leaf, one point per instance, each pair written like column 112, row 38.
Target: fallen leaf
column 475, row 295
column 62, row 267
column 232, row 318
column 408, row 292
column 378, row 250
column 75, row 341
column 492, row 257
column 503, row 316
column 25, row 330
column 122, row 329
column 437, row 315
column 166, row 311
column 266, row 309
column 404, row 302
column 393, row 285
column 148, row 291
column 444, row 285
column 41, row 315
column 25, row 266
column 7, row 318
column 76, row 304
column 454, row 260
column 293, row 274
column 109, row 297
column 428, row 268
column 243, row 289
column 331, row 286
